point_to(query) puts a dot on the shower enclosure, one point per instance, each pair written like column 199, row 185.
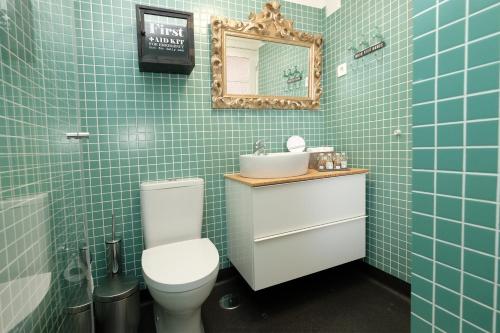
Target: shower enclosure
column 44, row 267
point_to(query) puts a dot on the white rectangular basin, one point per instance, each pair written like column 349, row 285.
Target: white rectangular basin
column 274, row 165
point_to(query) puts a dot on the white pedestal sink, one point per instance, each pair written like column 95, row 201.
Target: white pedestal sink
column 274, row 165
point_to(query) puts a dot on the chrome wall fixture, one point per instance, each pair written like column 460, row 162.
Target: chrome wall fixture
column 77, row 135
column 367, row 41
column 369, row 46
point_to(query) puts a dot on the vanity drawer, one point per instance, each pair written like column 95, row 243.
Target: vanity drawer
column 291, row 255
column 282, row 208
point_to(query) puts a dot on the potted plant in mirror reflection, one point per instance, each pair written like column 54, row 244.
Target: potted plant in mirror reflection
column 293, row 78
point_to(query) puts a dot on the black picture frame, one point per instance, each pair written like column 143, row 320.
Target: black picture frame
column 164, row 59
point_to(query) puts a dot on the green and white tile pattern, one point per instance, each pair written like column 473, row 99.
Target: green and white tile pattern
column 149, row 126
column 363, row 109
column 40, row 210
column 455, row 166
column 274, row 59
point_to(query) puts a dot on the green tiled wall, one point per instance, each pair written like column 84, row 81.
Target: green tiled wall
column 147, row 126
column 40, row 213
column 271, row 80
column 363, row 109
column 455, row 166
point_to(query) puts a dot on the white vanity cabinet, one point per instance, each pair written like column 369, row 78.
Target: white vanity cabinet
column 282, row 231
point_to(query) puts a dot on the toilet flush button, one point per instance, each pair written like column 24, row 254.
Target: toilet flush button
column 397, row 132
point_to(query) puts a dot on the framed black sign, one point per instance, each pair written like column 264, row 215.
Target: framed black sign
column 165, row 40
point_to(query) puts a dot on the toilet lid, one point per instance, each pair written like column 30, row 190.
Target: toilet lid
column 180, row 266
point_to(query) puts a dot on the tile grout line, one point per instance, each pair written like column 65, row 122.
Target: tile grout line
column 497, row 240
column 434, row 208
column 464, row 162
column 452, row 22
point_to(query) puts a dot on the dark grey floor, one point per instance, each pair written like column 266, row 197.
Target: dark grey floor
column 349, row 298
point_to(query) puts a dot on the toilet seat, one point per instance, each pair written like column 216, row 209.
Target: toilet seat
column 180, row 266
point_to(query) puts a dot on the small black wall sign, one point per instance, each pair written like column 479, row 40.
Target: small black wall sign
column 369, row 50
column 165, row 40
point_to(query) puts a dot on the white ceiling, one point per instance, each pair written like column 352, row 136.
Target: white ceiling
column 312, row 3
column 331, row 5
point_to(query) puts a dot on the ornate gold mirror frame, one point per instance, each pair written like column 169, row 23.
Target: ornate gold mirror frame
column 268, row 25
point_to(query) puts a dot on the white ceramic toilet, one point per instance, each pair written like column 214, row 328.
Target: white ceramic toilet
column 179, row 266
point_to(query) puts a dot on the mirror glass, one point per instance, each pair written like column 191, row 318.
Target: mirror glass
column 259, row 67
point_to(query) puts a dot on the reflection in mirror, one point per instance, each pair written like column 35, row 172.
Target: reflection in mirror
column 264, row 63
column 259, row 67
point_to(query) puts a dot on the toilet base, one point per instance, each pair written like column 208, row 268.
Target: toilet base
column 178, row 322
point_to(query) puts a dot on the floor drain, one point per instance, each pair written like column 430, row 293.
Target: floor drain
column 229, row 301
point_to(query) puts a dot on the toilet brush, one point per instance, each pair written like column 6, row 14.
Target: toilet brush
column 113, row 251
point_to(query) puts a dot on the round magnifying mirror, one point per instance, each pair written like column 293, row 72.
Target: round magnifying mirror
column 296, row 144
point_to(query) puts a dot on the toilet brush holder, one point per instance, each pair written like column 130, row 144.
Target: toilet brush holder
column 113, row 256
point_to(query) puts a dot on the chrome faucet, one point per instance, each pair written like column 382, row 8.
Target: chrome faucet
column 259, row 147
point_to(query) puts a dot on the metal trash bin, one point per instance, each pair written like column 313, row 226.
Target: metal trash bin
column 79, row 315
column 116, row 305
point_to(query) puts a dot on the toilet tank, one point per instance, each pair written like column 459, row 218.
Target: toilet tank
column 171, row 210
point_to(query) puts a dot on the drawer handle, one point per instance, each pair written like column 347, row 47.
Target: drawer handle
column 319, row 226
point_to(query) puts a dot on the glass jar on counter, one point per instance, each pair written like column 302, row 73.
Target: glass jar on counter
column 329, row 162
column 343, row 161
column 337, row 162
column 321, row 162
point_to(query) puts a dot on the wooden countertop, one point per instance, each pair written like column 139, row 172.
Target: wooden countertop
column 310, row 175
